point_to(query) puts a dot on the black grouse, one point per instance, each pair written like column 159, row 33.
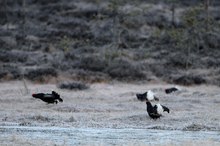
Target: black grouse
column 149, row 95
column 48, row 98
column 155, row 111
column 170, row 90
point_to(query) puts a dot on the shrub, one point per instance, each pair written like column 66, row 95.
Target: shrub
column 39, row 74
column 8, row 72
column 13, row 56
column 72, row 86
column 89, row 76
column 123, row 69
column 189, row 80
column 93, row 63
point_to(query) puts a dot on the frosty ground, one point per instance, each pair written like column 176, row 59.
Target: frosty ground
column 110, row 105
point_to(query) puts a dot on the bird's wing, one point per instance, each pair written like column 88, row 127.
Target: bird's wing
column 154, row 112
column 155, row 108
column 48, row 95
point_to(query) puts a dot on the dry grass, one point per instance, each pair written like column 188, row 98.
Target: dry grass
column 110, row 106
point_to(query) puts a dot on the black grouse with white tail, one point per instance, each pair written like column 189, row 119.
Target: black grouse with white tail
column 149, row 95
column 171, row 90
column 156, row 111
column 49, row 98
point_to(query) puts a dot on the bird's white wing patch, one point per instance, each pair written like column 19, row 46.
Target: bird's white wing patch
column 159, row 109
column 150, row 95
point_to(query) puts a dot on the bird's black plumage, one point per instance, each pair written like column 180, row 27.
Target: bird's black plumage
column 170, row 90
column 147, row 96
column 48, row 98
column 155, row 111
column 142, row 97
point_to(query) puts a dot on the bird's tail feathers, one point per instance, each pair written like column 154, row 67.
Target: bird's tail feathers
column 54, row 93
column 60, row 99
column 166, row 109
column 141, row 97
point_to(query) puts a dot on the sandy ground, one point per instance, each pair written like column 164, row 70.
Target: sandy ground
column 110, row 106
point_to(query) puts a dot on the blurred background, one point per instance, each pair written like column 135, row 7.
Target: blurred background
column 48, row 41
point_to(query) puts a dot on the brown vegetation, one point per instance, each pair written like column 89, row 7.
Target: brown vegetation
column 98, row 41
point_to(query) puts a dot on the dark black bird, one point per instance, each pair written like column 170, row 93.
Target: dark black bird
column 149, row 95
column 155, row 111
column 48, row 98
column 170, row 90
